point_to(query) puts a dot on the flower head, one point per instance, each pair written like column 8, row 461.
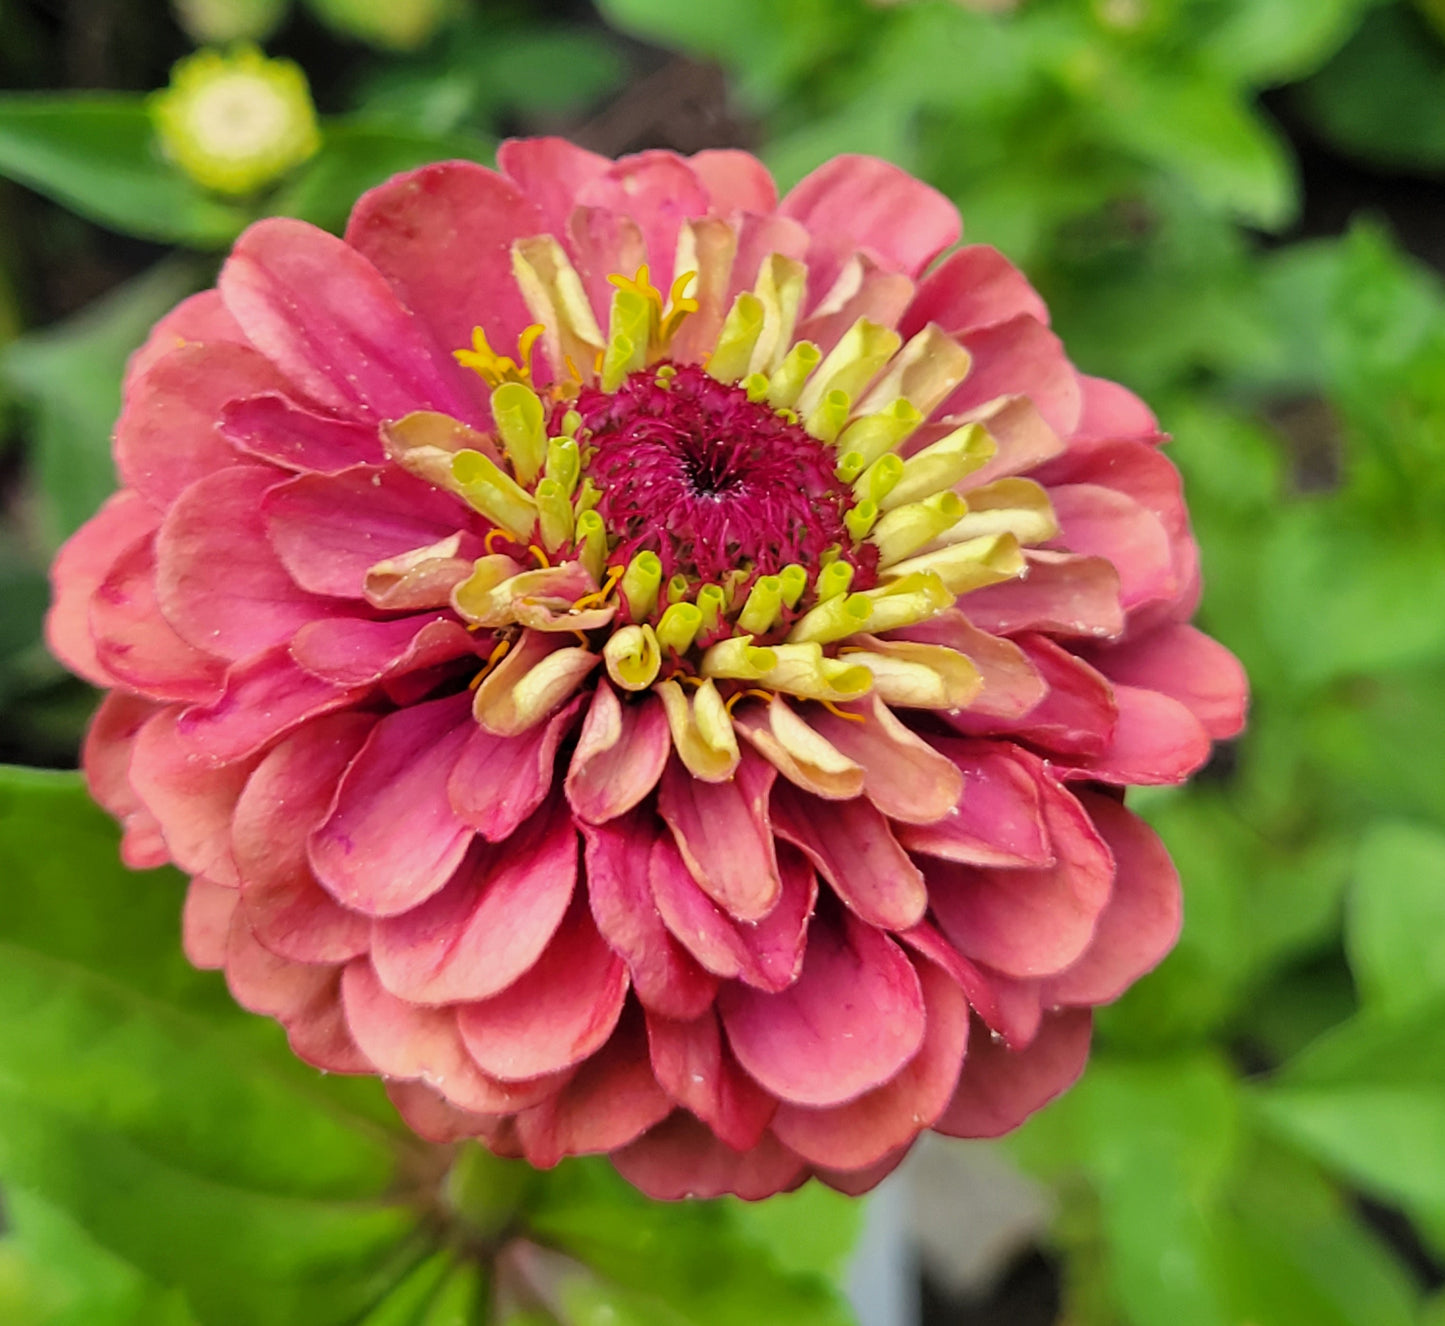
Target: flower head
column 647, row 668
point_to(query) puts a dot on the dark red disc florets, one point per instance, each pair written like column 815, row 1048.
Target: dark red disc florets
column 691, row 469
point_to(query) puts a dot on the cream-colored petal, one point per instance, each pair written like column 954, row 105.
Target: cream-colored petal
column 529, row 683
column 798, row 752
column 962, row 567
column 803, row 670
column 702, row 731
column 706, row 245
column 1014, row 506
column 554, row 295
column 923, row 373
column 956, row 681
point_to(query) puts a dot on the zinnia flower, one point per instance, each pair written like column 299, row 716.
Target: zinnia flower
column 646, row 668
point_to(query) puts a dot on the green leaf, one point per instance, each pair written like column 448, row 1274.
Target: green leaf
column 397, row 25
column 136, row 1098
column 70, row 376
column 1395, row 929
column 96, row 155
column 811, row 1230
column 1265, row 42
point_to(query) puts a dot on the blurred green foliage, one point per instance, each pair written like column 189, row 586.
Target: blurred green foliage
column 1141, row 159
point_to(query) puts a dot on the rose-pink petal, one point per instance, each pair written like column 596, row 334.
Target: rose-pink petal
column 620, row 754
column 1062, row 594
column 105, row 757
column 550, row 172
column 352, row 651
column 693, row 1064
column 681, row 1158
column 206, row 922
column 1156, row 742
column 1182, row 662
column 1103, row 522
column 271, row 427
column 975, row 286
column 659, row 191
column 735, row 181
column 198, row 317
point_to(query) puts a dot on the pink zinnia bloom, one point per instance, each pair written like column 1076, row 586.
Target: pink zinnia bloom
column 646, row 668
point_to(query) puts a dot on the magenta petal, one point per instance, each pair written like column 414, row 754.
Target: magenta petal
column 286, row 796
column 550, row 172
column 217, row 580
column 856, row 202
column 442, row 237
column 351, row 651
column 975, row 286
column 559, row 1011
column 1000, row 1087
column 855, row 851
column 927, row 940
column 1157, row 742
column 432, row 1118
column 620, row 754
column 998, row 820
column 850, row 1022
column 166, row 437
column 682, row 1158
column 1016, row 1011
column 659, row 191
column 1185, row 664
column 393, row 839
column 499, row 781
column 668, row 980
column 1028, row 922
column 80, row 568
column 1020, row 357
column 109, row 744
column 330, row 530
column 862, row 1132
column 198, row 317
column 694, row 1066
column 488, row 926
column 1141, row 922
column 273, row 428
column 136, row 645
column 192, row 800
column 723, row 834
column 328, row 320
column 1062, row 594
column 264, row 698
column 206, row 922
column 610, row 1100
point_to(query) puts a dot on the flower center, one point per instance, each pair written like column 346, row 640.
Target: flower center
column 712, row 482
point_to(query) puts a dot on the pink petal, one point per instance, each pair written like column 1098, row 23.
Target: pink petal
column 1062, row 594
column 1028, row 922
column 1112, row 411
column 1017, row 1011
column 1012, row 685
column 432, row 1118
column 393, row 839
column 975, row 286
column 106, row 756
column 1186, row 665
column 767, row 954
column 136, row 645
column 264, row 698
column 759, row 236
column 206, row 922
column 273, row 428
column 619, row 756
column 490, row 924
column 694, row 1066
column 853, row 848
column 903, row 775
column 80, row 568
column 351, row 651
column 863, row 289
column 442, row 237
column 286, row 796
column 330, row 530
column 1023, row 439
column 1140, row 924
column 723, row 834
column 856, row 1182
column 198, row 317
column 862, row 1132
column 927, row 940
column 327, row 319
column 604, row 243
column 1000, row 1087
column 659, row 191
column 681, row 1158
column 409, row 1041
column 735, row 181
column 856, row 202
column 167, row 435
column 217, row 580
column 998, row 818
column 850, row 1022
column 666, row 977
column 550, row 172
column 1157, row 742
column 192, row 800
column 499, row 781
column 611, row 1099
column 1101, row 522
column 1020, row 357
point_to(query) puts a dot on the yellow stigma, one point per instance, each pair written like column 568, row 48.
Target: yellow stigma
column 495, row 369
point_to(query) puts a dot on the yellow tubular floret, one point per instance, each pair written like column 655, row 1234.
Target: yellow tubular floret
column 564, row 463
column 494, row 493
column 735, row 343
column 765, row 602
column 827, row 418
column 554, row 515
column 878, row 480
column 904, row 530
column 629, row 332
column 739, row 658
column 966, row 566
column 851, row 364
column 833, row 619
column 787, row 382
column 678, row 626
column 875, row 434
column 640, row 583
column 779, row 290
column 930, row 366
column 591, row 536
column 520, row 420
column 940, row 465
column 632, row 657
column 912, row 598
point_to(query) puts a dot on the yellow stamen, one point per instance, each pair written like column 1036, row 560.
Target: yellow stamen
column 840, row 713
column 496, row 534
column 496, row 369
column 598, row 597
column 541, row 556
column 767, row 697
column 499, row 652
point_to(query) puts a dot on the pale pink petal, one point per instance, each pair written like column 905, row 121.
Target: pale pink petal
column 490, row 924
column 735, row 181
column 620, row 754
column 327, row 319
column 499, row 781
column 1000, row 1087
column 1019, row 357
column 1062, row 594
column 1141, row 922
column 550, row 172
column 975, row 286
column 106, row 759
column 351, row 651
column 206, row 922
column 694, row 1066
column 862, row 289
column 198, row 317
column 1102, row 522
column 271, row 427
column 604, row 243
column 1157, row 742
column 668, row 980
column 217, row 580
column 1185, row 664
column 80, row 568
column 862, row 1132
column 681, row 1158
column 723, row 834
column 432, row 1118
column 167, row 435
column 393, row 839
column 1112, row 411
column 849, row 1023
column 853, row 848
column 1024, row 440
column 759, row 236
column 1012, row 685
column 659, row 191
